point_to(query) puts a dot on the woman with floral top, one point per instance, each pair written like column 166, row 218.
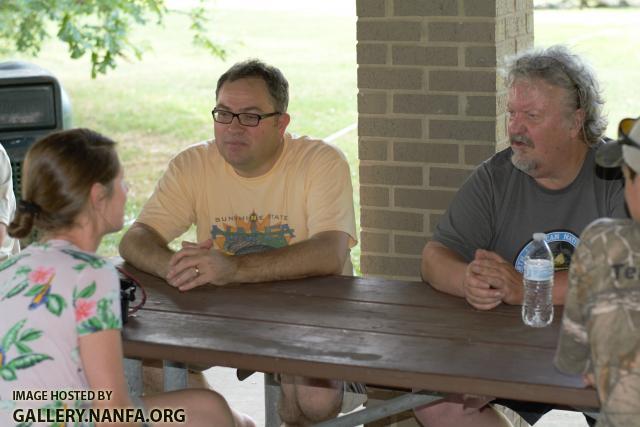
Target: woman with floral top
column 60, row 315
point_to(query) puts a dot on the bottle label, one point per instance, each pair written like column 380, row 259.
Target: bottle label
column 538, row 269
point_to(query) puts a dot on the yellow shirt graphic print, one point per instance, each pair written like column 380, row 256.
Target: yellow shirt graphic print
column 257, row 233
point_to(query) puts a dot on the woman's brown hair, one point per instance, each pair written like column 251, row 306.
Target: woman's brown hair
column 57, row 175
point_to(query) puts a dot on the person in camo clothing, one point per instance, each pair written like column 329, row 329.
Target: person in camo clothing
column 599, row 336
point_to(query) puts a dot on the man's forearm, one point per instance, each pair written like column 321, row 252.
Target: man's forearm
column 443, row 269
column 320, row 255
column 146, row 250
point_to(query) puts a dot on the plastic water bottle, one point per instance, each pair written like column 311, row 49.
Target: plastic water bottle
column 537, row 309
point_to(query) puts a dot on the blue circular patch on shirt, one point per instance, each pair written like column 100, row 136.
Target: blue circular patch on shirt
column 562, row 244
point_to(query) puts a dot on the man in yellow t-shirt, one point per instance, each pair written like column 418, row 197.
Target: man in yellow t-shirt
column 266, row 206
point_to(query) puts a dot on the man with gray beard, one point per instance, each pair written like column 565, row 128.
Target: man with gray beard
column 546, row 181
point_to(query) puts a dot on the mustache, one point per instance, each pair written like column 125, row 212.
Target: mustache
column 521, row 139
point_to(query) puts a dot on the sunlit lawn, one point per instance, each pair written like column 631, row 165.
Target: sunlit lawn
column 610, row 40
column 162, row 104
column 158, row 106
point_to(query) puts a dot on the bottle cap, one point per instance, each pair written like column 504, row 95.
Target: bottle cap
column 539, row 236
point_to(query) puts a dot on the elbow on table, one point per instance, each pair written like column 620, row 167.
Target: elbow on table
column 336, row 264
column 429, row 255
column 330, row 254
column 125, row 246
column 137, row 239
column 431, row 267
column 329, row 266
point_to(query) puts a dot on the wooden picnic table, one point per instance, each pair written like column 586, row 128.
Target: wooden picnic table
column 384, row 332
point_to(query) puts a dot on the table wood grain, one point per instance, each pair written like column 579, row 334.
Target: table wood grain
column 384, row 332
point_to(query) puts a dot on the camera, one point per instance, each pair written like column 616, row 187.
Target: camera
column 127, row 295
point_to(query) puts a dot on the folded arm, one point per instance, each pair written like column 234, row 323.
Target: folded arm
column 446, row 271
column 323, row 254
column 502, row 275
column 509, row 282
column 146, row 249
column 443, row 268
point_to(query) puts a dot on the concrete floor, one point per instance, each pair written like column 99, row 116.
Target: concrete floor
column 248, row 397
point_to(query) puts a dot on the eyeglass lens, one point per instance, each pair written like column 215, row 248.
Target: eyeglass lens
column 245, row 119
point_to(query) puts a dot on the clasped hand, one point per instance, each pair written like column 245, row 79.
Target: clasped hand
column 490, row 280
column 197, row 264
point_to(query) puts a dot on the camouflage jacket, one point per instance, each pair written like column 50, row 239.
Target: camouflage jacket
column 601, row 325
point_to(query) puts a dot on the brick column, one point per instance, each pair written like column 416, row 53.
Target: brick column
column 431, row 107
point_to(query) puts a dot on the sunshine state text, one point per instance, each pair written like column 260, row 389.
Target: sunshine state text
column 98, row 415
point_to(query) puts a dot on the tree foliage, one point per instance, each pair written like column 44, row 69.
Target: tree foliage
column 98, row 28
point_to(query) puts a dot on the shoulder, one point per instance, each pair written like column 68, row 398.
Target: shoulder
column 68, row 263
column 610, row 230
column 497, row 170
column 5, row 165
column 85, row 263
column 195, row 161
column 4, row 157
column 608, row 241
column 499, row 162
column 87, row 260
column 305, row 149
column 200, row 151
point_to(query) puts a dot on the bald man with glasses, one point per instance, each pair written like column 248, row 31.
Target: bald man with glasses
column 266, row 206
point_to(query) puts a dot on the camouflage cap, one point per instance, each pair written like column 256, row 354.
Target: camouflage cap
column 626, row 148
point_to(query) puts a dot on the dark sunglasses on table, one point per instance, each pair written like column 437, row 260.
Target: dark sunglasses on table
column 245, row 119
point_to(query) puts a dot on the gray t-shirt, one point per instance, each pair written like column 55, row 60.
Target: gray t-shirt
column 499, row 207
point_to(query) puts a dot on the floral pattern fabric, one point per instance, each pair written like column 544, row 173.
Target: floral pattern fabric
column 50, row 295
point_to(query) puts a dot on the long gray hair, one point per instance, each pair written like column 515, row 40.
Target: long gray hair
column 559, row 67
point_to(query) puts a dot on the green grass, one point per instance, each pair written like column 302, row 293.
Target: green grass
column 608, row 38
column 159, row 105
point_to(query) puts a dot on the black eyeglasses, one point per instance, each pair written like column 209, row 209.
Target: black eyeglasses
column 245, row 119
